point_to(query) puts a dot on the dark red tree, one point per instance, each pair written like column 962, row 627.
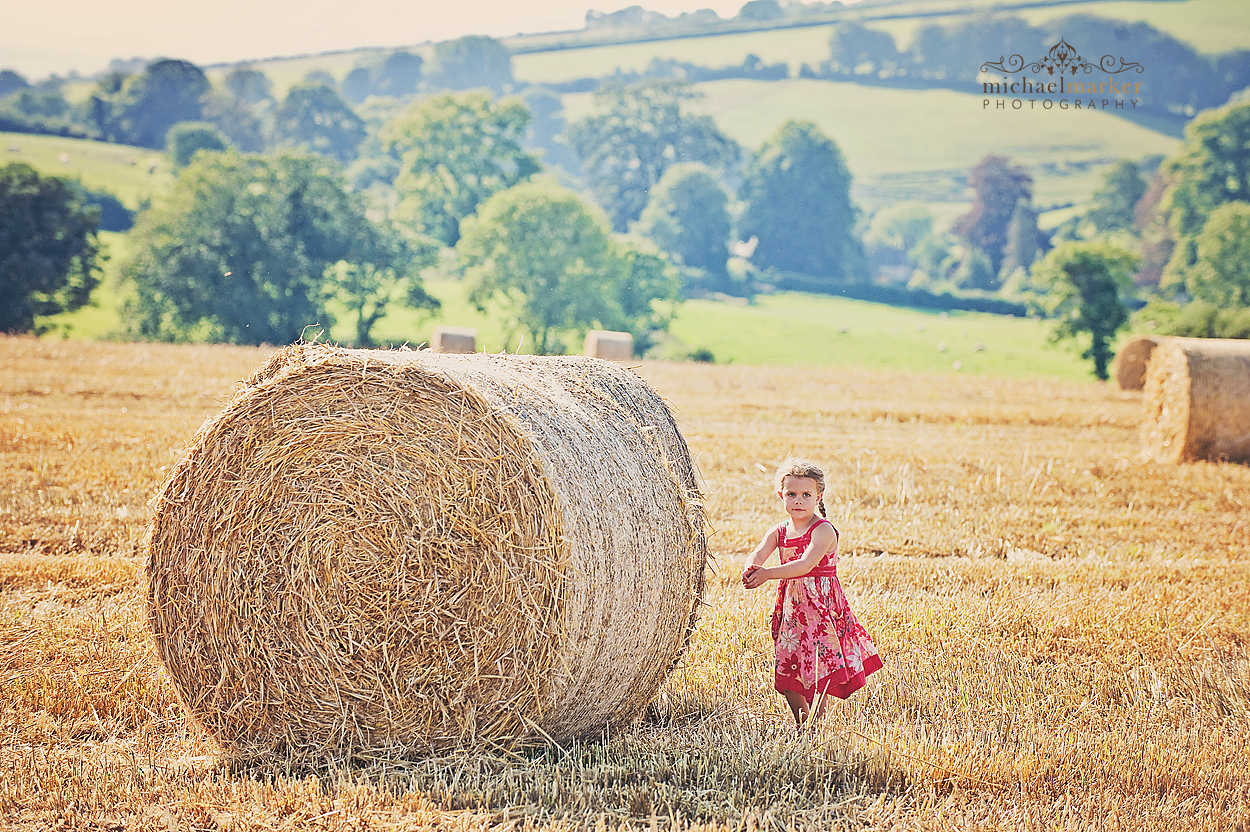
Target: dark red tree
column 999, row 186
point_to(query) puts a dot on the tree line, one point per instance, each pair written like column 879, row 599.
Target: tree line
column 346, row 211
column 252, row 247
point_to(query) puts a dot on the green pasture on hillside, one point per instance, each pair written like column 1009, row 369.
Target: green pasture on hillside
column 920, row 144
column 794, row 47
column 1210, row 26
column 792, row 328
column 101, row 317
column 806, row 330
column 788, row 328
column 132, row 174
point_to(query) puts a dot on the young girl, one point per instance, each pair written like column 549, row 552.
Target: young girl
column 821, row 647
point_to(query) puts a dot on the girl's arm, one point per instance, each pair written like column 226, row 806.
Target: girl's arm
column 824, row 539
column 761, row 554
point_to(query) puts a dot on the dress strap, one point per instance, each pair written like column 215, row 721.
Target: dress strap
column 782, row 540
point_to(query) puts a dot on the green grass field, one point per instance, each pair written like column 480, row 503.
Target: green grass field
column 119, row 169
column 1211, row 26
column 794, row 329
column 805, row 330
column 785, row 329
column 791, row 46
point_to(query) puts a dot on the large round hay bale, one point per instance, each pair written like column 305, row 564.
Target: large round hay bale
column 1131, row 361
column 409, row 550
column 1196, row 403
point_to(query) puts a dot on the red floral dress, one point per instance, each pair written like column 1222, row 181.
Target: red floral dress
column 821, row 647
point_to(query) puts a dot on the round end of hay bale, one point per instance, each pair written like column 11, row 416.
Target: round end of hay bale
column 1132, row 359
column 1196, row 401
column 396, row 550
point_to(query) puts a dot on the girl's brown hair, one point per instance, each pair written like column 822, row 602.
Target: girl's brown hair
column 794, row 467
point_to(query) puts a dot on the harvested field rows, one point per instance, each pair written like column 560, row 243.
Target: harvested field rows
column 1065, row 626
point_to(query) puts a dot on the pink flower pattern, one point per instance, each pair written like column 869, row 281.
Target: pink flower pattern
column 821, row 646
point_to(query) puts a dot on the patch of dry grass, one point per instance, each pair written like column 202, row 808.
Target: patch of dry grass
column 1064, row 625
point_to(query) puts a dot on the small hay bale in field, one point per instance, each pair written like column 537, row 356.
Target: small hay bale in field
column 612, row 346
column 454, row 339
column 1196, row 402
column 415, row 551
column 1131, row 361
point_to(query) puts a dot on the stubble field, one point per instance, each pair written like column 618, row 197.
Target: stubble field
column 1065, row 627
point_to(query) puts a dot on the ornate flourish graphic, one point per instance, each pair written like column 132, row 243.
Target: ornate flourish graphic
column 1063, row 59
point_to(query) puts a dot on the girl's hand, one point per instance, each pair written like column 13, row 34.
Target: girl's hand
column 754, row 577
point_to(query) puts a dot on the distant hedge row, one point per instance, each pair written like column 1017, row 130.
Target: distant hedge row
column 897, row 295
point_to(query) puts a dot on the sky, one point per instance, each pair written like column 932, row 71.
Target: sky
column 42, row 37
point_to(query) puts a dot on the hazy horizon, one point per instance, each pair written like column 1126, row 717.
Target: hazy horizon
column 77, row 36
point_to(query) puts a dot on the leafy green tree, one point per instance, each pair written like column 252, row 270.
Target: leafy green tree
column 797, row 191
column 761, row 10
column 998, row 187
column 1114, row 203
column 48, row 247
column 399, row 75
column 547, row 128
column 469, row 62
column 1195, row 319
column 11, row 81
column 638, row 133
column 358, row 84
column 855, row 49
column 369, row 288
column 319, row 76
column 240, row 251
column 1212, row 168
column 546, row 257
column 248, row 86
column 1155, row 239
column 316, row 117
column 1221, row 274
column 933, row 261
column 1084, row 287
column 243, row 108
column 688, row 217
column 145, row 106
column 104, row 107
column 894, row 233
column 647, row 286
column 975, row 271
column 457, row 149
column 1022, row 247
column 187, row 138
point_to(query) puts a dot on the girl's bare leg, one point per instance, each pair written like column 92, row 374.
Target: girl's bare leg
column 799, row 706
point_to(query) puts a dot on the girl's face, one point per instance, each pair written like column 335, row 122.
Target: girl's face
column 800, row 494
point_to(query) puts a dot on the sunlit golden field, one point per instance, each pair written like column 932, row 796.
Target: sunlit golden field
column 1065, row 627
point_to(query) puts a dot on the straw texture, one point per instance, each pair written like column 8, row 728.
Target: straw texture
column 413, row 551
column 1131, row 361
column 1196, row 402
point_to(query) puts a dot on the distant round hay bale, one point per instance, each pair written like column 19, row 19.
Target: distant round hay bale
column 454, row 339
column 609, row 345
column 1196, row 402
column 1131, row 361
column 415, row 551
